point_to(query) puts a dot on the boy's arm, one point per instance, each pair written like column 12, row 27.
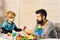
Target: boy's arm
column 3, row 30
column 3, row 27
column 17, row 29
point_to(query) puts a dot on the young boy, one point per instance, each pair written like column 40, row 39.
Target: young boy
column 9, row 24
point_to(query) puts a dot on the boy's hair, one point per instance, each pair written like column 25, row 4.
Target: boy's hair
column 42, row 12
column 10, row 14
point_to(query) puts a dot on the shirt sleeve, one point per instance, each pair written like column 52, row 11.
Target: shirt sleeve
column 3, row 25
column 47, row 30
column 17, row 29
column 33, row 32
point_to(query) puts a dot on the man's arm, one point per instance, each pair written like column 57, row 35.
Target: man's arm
column 47, row 30
column 33, row 32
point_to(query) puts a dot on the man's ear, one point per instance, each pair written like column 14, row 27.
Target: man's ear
column 43, row 17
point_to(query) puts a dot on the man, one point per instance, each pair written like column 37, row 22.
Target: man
column 48, row 29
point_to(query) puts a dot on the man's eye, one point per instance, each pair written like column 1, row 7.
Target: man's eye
column 37, row 16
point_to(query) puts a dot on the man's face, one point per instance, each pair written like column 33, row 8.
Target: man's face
column 39, row 18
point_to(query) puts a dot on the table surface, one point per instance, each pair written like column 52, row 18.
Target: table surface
column 22, row 33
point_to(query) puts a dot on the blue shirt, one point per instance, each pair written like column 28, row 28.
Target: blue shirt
column 8, row 26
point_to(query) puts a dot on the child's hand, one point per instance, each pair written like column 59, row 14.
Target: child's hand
column 9, row 34
column 26, row 30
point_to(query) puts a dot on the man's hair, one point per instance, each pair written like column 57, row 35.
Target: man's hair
column 10, row 14
column 42, row 12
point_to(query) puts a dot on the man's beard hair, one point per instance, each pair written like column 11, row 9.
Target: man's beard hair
column 39, row 22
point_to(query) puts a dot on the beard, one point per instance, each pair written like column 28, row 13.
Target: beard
column 39, row 22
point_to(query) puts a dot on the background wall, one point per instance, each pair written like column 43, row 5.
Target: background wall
column 28, row 8
column 1, row 12
column 25, row 10
column 13, row 5
column 52, row 7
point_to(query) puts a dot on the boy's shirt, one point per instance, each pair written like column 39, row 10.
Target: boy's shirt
column 8, row 27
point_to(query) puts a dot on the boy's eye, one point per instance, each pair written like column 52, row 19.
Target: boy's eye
column 11, row 17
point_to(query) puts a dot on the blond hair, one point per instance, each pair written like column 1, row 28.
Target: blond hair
column 10, row 14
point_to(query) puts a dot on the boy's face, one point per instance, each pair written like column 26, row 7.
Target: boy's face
column 11, row 19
